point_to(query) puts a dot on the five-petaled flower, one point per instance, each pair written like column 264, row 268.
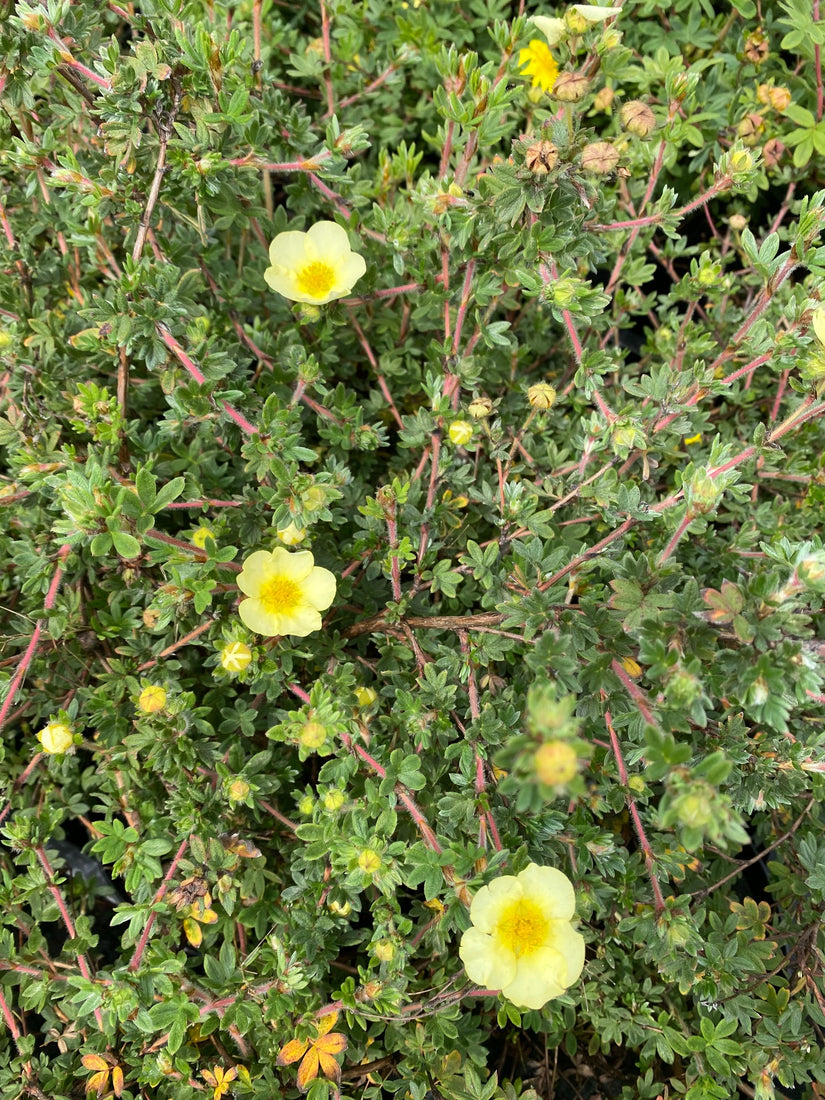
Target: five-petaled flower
column 219, row 1079
column 314, row 267
column 522, row 940
column 316, row 1053
column 538, row 63
column 286, row 592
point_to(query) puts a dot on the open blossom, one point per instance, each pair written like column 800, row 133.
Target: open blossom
column 314, row 267
column 286, row 592
column 522, row 939
column 538, row 63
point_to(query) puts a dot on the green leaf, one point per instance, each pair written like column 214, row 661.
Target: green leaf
column 126, row 545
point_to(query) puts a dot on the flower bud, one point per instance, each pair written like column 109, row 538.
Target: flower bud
column 603, row 100
column 780, row 98
column 741, row 160
column 571, row 87
column 738, row 222
column 5, row 339
column 555, row 763
column 600, row 158
column 480, row 407
column 541, row 158
column 237, row 789
column 292, row 535
column 637, row 118
column 56, row 738
column 541, row 396
column 152, row 699
column 334, row 799
column 312, row 735
column 366, row 696
column 383, row 951
column 200, row 536
column 314, row 498
column 369, row 861
column 235, row 656
column 461, row 432
column 758, row 692
column 694, row 809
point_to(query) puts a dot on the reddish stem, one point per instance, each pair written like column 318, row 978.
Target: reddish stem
column 135, row 960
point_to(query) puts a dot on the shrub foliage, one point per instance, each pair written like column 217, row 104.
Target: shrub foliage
column 561, row 447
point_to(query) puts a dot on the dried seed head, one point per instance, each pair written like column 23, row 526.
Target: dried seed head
column 773, row 152
column 637, row 118
column 571, row 87
column 757, row 47
column 541, row 158
column 751, row 128
column 600, row 158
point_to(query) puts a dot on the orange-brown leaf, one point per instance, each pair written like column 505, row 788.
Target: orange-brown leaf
column 308, row 1069
column 94, row 1061
column 331, row 1044
column 117, row 1081
column 326, row 1023
column 293, row 1050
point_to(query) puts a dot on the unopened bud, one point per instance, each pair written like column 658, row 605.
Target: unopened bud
column 461, row 432
column 152, row 699
column 600, row 158
column 312, row 735
column 738, row 222
column 603, row 100
column 541, row 396
column 480, row 407
column 637, row 118
column 555, row 763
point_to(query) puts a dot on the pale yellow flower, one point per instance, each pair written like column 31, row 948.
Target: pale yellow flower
column 552, row 29
column 152, row 699
column 235, row 656
column 538, row 63
column 314, row 267
column 522, row 940
column 818, row 323
column 56, row 738
column 286, row 592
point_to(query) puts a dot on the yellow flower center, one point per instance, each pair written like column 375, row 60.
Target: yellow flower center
column 522, row 927
column 280, row 596
column 316, row 279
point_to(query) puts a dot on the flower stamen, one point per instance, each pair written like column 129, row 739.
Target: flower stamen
column 280, row 596
column 523, row 928
column 315, row 279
